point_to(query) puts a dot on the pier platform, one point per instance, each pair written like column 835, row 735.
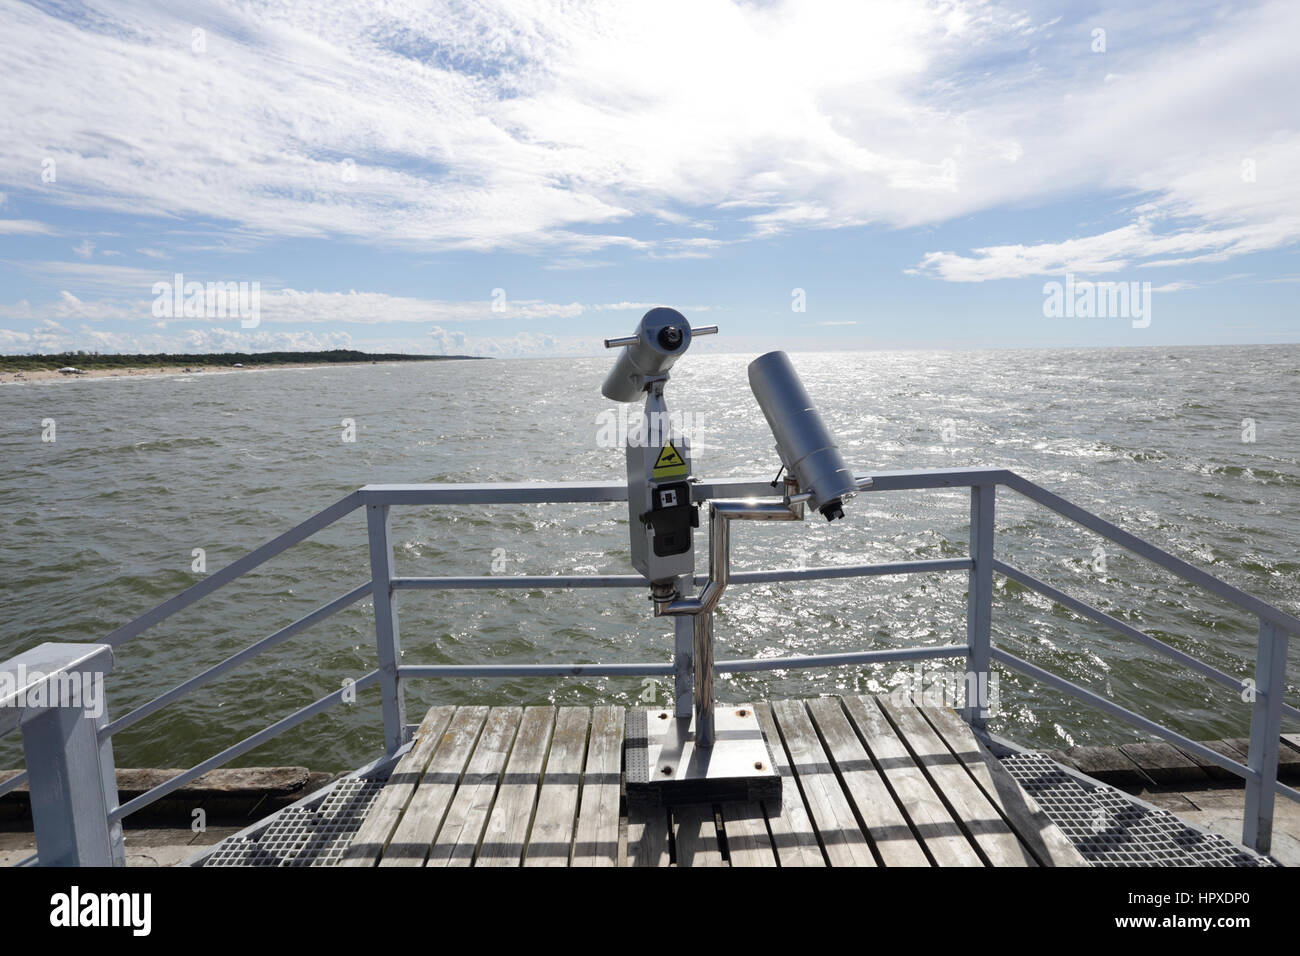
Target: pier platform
column 867, row 782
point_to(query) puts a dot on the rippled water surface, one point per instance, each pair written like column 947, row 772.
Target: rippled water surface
column 101, row 525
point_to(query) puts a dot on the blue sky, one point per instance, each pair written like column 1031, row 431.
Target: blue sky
column 919, row 170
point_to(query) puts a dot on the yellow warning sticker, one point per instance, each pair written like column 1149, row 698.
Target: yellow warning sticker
column 669, row 465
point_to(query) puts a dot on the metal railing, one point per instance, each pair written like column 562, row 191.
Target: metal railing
column 1268, row 707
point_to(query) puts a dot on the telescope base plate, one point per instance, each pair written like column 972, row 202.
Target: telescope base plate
column 665, row 768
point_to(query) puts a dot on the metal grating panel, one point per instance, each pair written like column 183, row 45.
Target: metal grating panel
column 304, row 836
column 1110, row 828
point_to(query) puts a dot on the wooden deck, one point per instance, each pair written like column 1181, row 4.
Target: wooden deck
column 868, row 782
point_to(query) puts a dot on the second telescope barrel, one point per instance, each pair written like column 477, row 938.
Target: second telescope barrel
column 805, row 444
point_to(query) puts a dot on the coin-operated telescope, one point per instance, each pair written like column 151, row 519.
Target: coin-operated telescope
column 707, row 752
column 660, row 511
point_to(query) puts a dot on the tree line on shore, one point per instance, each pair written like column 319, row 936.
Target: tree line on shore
column 90, row 360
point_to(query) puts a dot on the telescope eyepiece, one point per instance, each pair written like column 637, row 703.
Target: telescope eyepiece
column 661, row 338
column 832, row 509
column 670, row 337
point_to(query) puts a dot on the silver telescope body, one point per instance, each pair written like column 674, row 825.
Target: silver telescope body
column 660, row 339
column 803, row 441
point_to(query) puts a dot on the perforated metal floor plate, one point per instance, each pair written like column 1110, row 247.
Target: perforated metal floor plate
column 1110, row 828
column 304, row 836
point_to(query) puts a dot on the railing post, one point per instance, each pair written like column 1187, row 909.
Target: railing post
column 979, row 603
column 684, row 657
column 1265, row 734
column 388, row 639
column 55, row 693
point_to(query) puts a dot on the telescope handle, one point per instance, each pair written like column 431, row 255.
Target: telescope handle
column 632, row 339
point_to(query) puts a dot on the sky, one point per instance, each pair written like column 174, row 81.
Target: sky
column 526, row 178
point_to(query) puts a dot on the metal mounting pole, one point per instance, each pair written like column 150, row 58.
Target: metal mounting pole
column 388, row 640
column 717, row 753
column 684, row 657
column 704, row 732
column 721, row 514
column 1265, row 734
column 979, row 603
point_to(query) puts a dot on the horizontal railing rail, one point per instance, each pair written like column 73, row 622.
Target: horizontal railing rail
column 1110, row 707
column 244, row 746
column 803, row 662
column 1146, row 549
column 1101, row 617
column 529, row 582
column 980, row 566
column 234, row 660
column 237, row 568
column 14, row 782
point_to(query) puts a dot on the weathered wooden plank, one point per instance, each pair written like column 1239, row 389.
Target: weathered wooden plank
column 1165, row 764
column 1045, row 840
column 842, row 839
column 381, row 820
column 939, row 832
column 974, row 811
column 1062, row 758
column 695, row 836
column 1288, row 759
column 467, row 816
column 550, row 842
column 1214, row 771
column 597, row 839
column 1109, row 765
column 886, row 824
column 748, row 842
column 507, row 827
column 793, row 835
column 1241, row 745
column 422, row 820
column 647, row 836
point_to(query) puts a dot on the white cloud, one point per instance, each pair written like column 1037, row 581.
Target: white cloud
column 132, row 300
column 93, row 275
column 493, row 125
column 521, row 345
column 238, row 340
column 513, row 125
column 24, row 227
column 1194, row 131
column 52, row 337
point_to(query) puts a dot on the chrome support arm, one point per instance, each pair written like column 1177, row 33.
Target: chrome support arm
column 700, row 607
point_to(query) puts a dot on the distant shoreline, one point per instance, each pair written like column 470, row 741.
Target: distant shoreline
column 122, row 367
column 125, row 371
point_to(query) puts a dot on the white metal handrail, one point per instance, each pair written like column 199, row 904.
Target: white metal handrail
column 1260, row 774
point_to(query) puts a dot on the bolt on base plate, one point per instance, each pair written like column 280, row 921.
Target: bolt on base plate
column 664, row 767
